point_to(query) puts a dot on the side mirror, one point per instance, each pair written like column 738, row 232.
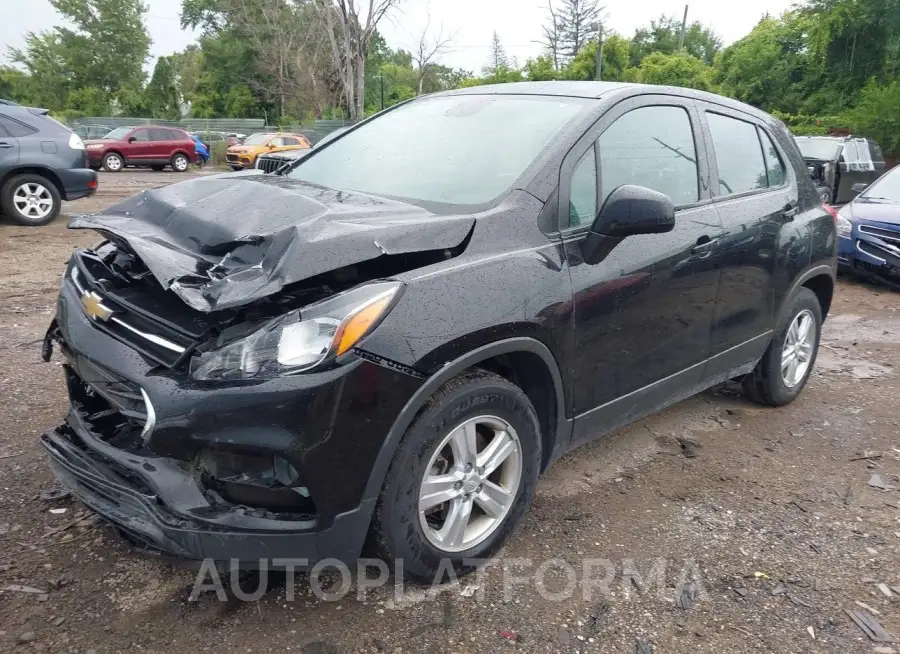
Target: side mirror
column 628, row 211
column 132, row 139
column 859, row 187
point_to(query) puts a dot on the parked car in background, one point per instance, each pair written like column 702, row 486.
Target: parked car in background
column 869, row 230
column 211, row 138
column 244, row 155
column 837, row 163
column 269, row 162
column 42, row 163
column 145, row 146
column 92, row 131
column 390, row 342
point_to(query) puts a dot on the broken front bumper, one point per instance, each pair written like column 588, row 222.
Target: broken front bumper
column 139, row 437
column 872, row 249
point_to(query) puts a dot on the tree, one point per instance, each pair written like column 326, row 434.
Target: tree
column 767, row 68
column 878, row 115
column 161, row 97
column 663, row 35
column 497, row 60
column 350, row 34
column 100, row 58
column 679, row 69
column 428, row 48
column 615, row 60
column 552, row 31
column 579, row 23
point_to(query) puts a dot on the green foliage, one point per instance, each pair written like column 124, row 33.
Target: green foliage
column 680, row 69
column 162, row 97
column 91, row 65
column 663, row 35
column 616, row 51
column 877, row 115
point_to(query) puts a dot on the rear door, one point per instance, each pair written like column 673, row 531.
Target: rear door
column 9, row 145
column 643, row 315
column 755, row 194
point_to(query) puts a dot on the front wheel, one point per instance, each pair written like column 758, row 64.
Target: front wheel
column 180, row 163
column 461, row 479
column 785, row 368
column 30, row 200
column 113, row 162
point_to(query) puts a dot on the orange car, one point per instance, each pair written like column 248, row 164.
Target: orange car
column 244, row 155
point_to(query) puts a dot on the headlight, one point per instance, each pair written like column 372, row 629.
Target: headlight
column 95, row 146
column 75, row 142
column 301, row 339
column 844, row 226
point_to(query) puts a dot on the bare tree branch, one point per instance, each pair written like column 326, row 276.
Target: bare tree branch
column 428, row 49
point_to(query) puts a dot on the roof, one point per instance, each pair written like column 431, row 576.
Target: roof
column 603, row 89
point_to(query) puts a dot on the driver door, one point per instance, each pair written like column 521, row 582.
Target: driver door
column 643, row 315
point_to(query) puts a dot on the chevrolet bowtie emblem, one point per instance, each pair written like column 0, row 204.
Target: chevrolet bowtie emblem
column 93, row 305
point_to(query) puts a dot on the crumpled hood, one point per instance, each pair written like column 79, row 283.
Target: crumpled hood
column 226, row 240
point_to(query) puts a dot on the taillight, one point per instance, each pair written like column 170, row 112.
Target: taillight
column 831, row 210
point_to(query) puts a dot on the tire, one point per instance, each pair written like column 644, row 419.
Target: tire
column 30, row 200
column 398, row 533
column 113, row 162
column 237, row 168
column 157, row 168
column 180, row 162
column 767, row 384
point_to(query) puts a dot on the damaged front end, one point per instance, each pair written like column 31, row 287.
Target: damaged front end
column 232, row 417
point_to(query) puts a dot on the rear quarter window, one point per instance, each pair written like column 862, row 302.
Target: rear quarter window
column 15, row 128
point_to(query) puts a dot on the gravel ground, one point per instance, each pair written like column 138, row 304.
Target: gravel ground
column 769, row 513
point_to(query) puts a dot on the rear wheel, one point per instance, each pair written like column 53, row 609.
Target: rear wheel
column 113, row 162
column 30, row 200
column 461, row 478
column 180, row 163
column 785, row 368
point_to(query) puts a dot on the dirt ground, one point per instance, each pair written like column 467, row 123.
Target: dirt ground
column 769, row 513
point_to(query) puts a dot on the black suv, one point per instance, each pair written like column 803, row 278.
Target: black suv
column 388, row 342
column 42, row 163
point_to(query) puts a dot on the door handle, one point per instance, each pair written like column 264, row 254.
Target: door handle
column 5, row 145
column 790, row 210
column 704, row 246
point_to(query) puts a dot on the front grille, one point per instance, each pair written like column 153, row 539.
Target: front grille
column 887, row 235
column 269, row 165
column 231, row 158
column 152, row 338
column 879, row 252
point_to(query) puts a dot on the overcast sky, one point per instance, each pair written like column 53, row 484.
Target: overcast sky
column 471, row 21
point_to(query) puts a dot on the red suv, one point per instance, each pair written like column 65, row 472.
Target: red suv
column 154, row 147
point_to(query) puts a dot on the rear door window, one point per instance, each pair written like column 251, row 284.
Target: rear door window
column 651, row 147
column 290, row 140
column 738, row 154
column 160, row 135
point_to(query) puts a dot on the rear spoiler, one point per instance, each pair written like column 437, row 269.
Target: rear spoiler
column 37, row 111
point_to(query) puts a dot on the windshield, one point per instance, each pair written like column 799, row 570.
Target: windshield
column 458, row 149
column 825, row 149
column 886, row 188
column 118, row 133
column 256, row 139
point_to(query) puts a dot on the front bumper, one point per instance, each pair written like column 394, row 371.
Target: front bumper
column 873, row 248
column 329, row 426
column 77, row 182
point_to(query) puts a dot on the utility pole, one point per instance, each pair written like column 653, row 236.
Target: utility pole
column 683, row 27
column 599, row 74
column 381, row 77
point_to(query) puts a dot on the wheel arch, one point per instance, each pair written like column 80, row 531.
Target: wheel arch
column 46, row 173
column 175, row 153
column 525, row 362
column 820, row 280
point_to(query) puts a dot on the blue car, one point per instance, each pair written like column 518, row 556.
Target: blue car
column 869, row 230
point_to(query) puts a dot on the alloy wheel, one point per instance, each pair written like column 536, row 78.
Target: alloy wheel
column 180, row 164
column 113, row 163
column 33, row 200
column 470, row 484
column 796, row 355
